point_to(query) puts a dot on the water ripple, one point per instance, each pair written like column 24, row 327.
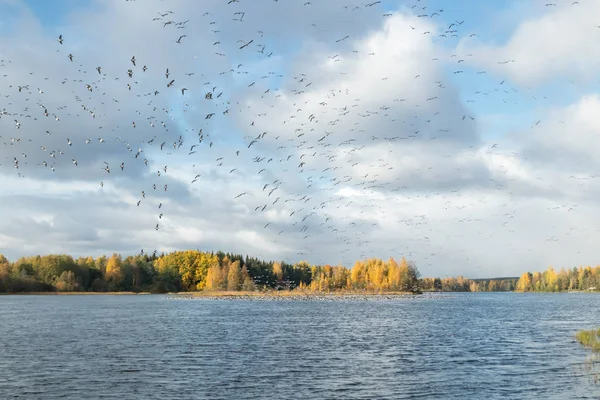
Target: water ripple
column 491, row 346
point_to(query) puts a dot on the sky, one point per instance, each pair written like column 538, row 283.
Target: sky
column 461, row 135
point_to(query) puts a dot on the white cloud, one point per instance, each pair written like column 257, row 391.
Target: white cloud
column 367, row 150
column 551, row 44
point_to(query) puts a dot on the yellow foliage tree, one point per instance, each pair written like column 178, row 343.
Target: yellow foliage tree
column 214, row 278
column 473, row 287
column 551, row 279
column 186, row 268
column 234, row 276
column 4, row 267
column 114, row 273
column 278, row 271
column 248, row 283
column 394, row 275
column 524, row 282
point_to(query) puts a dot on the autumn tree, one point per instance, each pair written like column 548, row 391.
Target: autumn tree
column 247, row 282
column 340, row 277
column 563, row 280
column 4, row 267
column 234, row 276
column 101, row 264
column 358, row 275
column 524, row 282
column 4, row 273
column 536, row 282
column 551, row 280
column 277, row 271
column 67, row 282
column 409, row 275
column 214, row 278
column 114, row 273
column 573, row 279
column 394, row 278
column 473, row 287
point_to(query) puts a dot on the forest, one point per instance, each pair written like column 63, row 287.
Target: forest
column 194, row 270
column 577, row 278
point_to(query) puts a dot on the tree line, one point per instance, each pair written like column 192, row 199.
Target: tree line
column 462, row 284
column 194, row 270
column 577, row 278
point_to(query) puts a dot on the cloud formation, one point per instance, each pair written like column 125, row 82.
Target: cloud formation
column 322, row 132
column 551, row 44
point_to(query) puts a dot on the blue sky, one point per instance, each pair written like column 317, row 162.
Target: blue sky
column 494, row 22
column 53, row 14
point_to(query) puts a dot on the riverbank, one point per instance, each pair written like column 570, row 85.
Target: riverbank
column 226, row 294
column 70, row 293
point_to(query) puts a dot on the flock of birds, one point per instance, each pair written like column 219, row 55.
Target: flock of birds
column 292, row 160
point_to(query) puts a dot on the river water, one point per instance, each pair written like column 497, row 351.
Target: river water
column 468, row 346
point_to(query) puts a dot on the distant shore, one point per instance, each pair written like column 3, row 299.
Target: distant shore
column 230, row 294
column 69, row 293
column 276, row 293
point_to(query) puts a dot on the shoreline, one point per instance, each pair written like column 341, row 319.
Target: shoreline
column 72, row 293
column 275, row 294
column 299, row 296
column 226, row 294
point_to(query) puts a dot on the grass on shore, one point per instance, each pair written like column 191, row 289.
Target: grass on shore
column 589, row 339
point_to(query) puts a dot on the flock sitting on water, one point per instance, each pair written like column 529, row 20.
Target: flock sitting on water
column 310, row 297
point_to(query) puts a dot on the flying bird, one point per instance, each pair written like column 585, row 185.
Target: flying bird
column 246, row 45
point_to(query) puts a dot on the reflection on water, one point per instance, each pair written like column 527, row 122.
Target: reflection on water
column 470, row 346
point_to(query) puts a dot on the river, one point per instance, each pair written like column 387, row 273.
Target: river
column 469, row 346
